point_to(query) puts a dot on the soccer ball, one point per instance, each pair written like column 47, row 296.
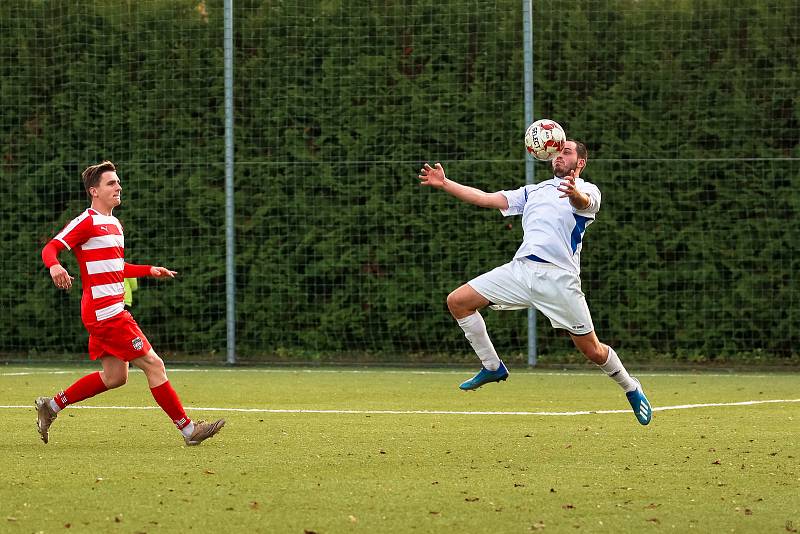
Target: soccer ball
column 544, row 139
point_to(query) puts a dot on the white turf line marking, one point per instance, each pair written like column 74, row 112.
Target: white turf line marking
column 390, row 371
column 423, row 412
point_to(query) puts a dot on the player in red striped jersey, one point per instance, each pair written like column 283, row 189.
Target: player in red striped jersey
column 96, row 238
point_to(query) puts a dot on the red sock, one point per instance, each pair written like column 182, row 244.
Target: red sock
column 166, row 397
column 88, row 386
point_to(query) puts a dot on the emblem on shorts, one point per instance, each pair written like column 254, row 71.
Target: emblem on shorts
column 137, row 343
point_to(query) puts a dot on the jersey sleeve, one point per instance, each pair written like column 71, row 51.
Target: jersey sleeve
column 593, row 193
column 50, row 252
column 77, row 232
column 132, row 270
column 516, row 201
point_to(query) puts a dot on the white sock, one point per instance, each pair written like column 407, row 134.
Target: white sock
column 187, row 430
column 616, row 371
column 53, row 406
column 475, row 330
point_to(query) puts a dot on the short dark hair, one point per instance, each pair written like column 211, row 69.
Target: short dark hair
column 580, row 148
column 91, row 175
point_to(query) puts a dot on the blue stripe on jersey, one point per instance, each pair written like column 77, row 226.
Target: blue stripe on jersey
column 577, row 232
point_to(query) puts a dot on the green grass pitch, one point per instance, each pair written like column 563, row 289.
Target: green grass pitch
column 729, row 468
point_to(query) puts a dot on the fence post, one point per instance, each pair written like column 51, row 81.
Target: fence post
column 527, row 43
column 230, row 261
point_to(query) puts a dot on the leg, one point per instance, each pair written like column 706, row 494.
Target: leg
column 464, row 304
column 465, row 301
column 591, row 347
column 605, row 357
column 153, row 368
column 113, row 375
column 167, row 398
column 608, row 360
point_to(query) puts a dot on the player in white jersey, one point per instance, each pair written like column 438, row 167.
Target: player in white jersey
column 544, row 272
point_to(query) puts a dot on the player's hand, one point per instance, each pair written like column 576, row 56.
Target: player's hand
column 61, row 277
column 162, row 272
column 433, row 176
column 570, row 190
column 567, row 186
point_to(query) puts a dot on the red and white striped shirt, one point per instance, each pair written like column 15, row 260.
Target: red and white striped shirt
column 99, row 246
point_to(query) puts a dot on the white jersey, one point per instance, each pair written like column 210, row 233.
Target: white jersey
column 553, row 228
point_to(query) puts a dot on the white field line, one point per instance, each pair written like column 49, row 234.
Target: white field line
column 420, row 412
column 524, row 372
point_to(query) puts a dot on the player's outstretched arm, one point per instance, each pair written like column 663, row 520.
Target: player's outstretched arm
column 132, row 270
column 435, row 177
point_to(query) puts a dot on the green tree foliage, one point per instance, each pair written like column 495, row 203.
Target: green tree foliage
column 690, row 111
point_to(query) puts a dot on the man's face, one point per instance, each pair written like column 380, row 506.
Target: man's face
column 567, row 161
column 108, row 191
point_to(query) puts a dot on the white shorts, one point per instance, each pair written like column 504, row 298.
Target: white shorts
column 552, row 290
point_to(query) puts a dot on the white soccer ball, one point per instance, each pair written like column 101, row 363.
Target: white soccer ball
column 544, row 139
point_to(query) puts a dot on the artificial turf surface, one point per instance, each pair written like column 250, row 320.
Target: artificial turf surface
column 126, row 469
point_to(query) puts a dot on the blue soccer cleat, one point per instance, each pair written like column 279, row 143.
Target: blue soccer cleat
column 641, row 406
column 485, row 376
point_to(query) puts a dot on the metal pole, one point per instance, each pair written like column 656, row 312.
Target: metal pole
column 527, row 43
column 230, row 259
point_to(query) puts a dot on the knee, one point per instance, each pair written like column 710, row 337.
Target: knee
column 156, row 365
column 451, row 301
column 597, row 353
column 115, row 381
column 455, row 304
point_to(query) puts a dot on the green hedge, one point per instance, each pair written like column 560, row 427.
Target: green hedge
column 690, row 111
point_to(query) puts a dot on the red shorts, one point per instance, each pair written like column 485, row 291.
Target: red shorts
column 118, row 336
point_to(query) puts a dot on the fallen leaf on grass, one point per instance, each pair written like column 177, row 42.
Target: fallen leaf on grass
column 539, row 525
column 352, row 518
column 654, row 520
